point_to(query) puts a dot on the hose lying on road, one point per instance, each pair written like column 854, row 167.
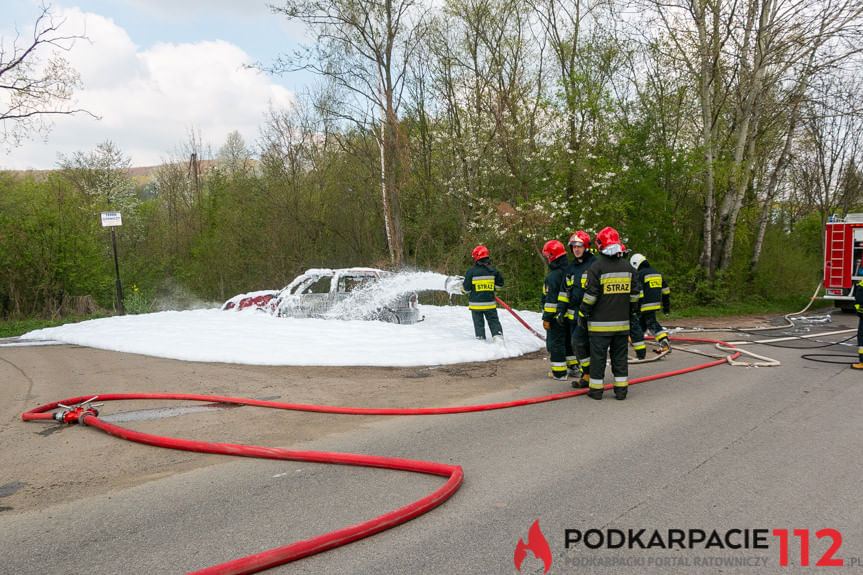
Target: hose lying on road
column 82, row 410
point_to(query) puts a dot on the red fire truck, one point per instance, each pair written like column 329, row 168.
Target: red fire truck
column 843, row 252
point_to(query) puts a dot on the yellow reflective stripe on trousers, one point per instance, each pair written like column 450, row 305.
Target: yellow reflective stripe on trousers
column 608, row 325
column 482, row 306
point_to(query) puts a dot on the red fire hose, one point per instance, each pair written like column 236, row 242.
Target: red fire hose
column 519, row 318
column 82, row 410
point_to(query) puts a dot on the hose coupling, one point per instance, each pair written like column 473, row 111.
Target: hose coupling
column 78, row 412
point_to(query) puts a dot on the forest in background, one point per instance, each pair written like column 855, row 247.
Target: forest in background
column 717, row 137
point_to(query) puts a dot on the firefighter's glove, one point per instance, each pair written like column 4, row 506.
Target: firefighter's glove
column 633, row 308
column 560, row 319
column 666, row 305
column 582, row 321
column 546, row 325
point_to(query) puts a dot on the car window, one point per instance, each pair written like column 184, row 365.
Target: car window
column 348, row 284
column 320, row 286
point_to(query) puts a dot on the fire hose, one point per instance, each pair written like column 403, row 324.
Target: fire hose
column 519, row 318
column 83, row 410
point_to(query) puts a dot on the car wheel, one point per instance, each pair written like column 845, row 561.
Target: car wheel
column 388, row 316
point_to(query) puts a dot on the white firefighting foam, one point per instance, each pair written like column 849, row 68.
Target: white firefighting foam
column 390, row 291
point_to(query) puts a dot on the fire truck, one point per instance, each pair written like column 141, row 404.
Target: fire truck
column 843, row 252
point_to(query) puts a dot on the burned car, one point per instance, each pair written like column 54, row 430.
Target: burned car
column 350, row 293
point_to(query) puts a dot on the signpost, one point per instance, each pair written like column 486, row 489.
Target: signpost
column 112, row 220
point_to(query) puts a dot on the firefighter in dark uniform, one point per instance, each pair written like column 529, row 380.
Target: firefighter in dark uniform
column 636, row 332
column 655, row 294
column 554, row 304
column 576, row 276
column 480, row 283
column 610, row 298
column 858, row 305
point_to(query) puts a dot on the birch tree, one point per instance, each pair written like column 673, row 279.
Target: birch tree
column 736, row 54
column 365, row 46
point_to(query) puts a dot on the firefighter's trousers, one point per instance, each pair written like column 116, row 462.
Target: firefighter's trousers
column 601, row 346
column 485, row 315
column 860, row 336
column 650, row 324
column 581, row 346
column 557, row 344
column 636, row 336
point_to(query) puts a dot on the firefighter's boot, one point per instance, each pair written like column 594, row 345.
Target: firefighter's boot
column 641, row 354
column 595, row 393
column 857, row 365
column 620, row 393
column 663, row 346
column 581, row 383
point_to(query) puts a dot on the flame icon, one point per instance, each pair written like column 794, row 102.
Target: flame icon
column 535, row 542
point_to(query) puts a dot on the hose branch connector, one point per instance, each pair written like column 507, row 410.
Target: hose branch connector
column 78, row 412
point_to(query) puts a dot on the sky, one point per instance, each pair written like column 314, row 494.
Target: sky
column 251, row 337
column 157, row 71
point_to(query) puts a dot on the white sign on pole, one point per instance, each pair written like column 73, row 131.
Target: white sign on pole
column 111, row 219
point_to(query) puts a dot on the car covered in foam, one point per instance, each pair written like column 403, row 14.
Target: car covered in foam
column 348, row 293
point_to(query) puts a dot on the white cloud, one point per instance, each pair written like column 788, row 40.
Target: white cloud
column 150, row 99
column 171, row 9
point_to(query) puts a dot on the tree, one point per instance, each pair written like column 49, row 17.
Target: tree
column 827, row 169
column 364, row 46
column 36, row 81
column 584, row 55
column 738, row 55
column 102, row 176
column 234, row 157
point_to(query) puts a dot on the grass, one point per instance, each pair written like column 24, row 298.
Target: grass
column 12, row 328
column 774, row 307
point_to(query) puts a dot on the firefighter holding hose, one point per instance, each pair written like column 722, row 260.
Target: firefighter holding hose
column 480, row 283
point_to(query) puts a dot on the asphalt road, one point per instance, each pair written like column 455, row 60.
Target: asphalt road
column 734, row 455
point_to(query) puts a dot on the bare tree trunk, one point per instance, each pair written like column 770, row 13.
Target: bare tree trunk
column 747, row 114
column 708, row 56
column 385, row 201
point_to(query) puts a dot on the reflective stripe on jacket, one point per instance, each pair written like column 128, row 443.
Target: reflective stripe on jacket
column 554, row 295
column 611, row 287
column 480, row 283
column 653, row 287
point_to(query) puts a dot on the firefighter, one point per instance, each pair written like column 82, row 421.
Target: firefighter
column 655, row 294
column 610, row 298
column 858, row 305
column 480, row 283
column 576, row 276
column 554, row 304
